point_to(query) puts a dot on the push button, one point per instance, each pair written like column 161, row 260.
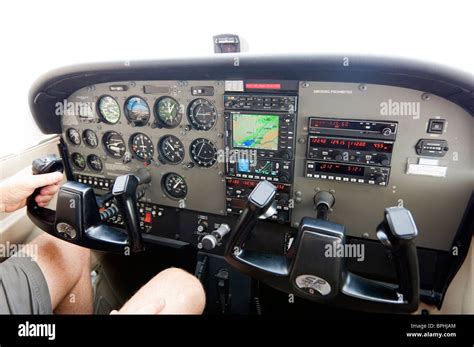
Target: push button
column 436, row 126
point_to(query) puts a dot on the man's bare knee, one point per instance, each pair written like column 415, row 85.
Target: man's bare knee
column 188, row 289
column 181, row 292
column 62, row 263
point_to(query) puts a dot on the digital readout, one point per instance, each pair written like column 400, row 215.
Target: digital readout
column 342, row 143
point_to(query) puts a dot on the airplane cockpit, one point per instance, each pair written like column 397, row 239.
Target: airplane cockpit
column 275, row 184
column 268, row 173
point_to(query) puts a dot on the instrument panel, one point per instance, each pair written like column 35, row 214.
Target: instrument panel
column 162, row 126
column 208, row 143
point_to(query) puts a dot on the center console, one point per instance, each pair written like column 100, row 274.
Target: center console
column 260, row 135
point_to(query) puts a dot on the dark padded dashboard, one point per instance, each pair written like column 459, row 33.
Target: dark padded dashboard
column 374, row 132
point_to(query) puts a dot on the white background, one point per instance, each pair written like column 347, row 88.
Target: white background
column 37, row 36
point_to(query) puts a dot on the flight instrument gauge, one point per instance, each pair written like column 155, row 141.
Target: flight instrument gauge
column 109, row 109
column 114, row 144
column 78, row 161
column 175, row 186
column 202, row 114
column 203, row 152
column 94, row 162
column 137, row 111
column 167, row 112
column 90, row 138
column 171, row 149
column 73, row 136
column 142, row 146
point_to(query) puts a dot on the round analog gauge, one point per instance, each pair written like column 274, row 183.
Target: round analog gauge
column 109, row 109
column 203, row 152
column 94, row 162
column 175, row 186
column 142, row 146
column 171, row 149
column 90, row 138
column 167, row 112
column 137, row 111
column 73, row 136
column 114, row 144
column 78, row 161
column 202, row 114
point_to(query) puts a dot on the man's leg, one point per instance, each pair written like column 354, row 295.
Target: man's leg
column 177, row 290
column 66, row 268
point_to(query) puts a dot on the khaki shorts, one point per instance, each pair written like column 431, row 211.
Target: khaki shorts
column 23, row 288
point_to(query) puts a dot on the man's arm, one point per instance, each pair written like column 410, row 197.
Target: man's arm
column 16, row 189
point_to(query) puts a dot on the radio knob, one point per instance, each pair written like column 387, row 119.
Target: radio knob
column 386, row 132
column 283, row 177
column 379, row 178
column 282, row 217
column 338, row 156
column 285, row 154
column 384, row 160
column 283, row 199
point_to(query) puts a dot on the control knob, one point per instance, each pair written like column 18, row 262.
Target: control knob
column 379, row 178
column 285, row 154
column 386, row 131
column 383, row 160
column 338, row 156
column 211, row 240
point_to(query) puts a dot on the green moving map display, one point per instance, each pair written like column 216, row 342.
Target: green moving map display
column 255, row 131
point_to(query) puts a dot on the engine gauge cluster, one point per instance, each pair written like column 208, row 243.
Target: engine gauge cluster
column 90, row 138
column 94, row 162
column 73, row 136
column 78, row 160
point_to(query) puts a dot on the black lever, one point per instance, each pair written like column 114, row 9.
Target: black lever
column 41, row 216
column 398, row 232
column 260, row 202
column 125, row 192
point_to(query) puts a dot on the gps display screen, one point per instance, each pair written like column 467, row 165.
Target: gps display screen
column 255, row 131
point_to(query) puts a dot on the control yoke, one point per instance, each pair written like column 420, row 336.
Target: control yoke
column 80, row 215
column 308, row 272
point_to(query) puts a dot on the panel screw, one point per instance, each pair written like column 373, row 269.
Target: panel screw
column 304, row 85
column 365, row 235
column 426, row 96
column 362, row 87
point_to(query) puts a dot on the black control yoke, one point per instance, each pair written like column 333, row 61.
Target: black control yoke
column 77, row 218
column 308, row 272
